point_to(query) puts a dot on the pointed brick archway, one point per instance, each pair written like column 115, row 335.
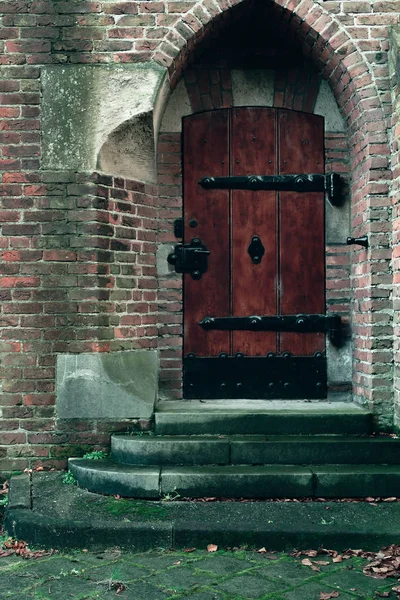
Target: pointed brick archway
column 326, row 43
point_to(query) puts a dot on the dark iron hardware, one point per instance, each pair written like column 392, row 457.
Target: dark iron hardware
column 255, row 377
column 361, row 241
column 256, row 250
column 190, row 258
column 330, row 324
column 178, row 228
column 330, row 183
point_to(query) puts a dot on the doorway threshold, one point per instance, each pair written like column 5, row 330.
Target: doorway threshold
column 336, row 402
column 276, row 417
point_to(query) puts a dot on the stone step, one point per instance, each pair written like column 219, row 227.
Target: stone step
column 46, row 513
column 267, row 481
column 253, row 450
column 261, row 417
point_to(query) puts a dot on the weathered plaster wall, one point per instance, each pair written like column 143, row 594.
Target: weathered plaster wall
column 100, row 116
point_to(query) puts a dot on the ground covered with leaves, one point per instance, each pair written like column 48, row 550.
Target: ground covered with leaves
column 211, row 573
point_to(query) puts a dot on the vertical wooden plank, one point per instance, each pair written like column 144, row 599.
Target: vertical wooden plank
column 302, row 229
column 253, row 152
column 206, row 152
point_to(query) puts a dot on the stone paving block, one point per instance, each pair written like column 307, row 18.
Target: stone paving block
column 120, row 571
column 180, row 579
column 155, row 562
column 206, row 595
column 287, row 571
column 347, row 579
column 250, row 586
column 139, row 590
column 71, row 588
column 311, row 591
column 222, row 565
column 19, row 495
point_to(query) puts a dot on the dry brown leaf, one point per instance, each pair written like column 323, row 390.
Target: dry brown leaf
column 323, row 563
column 262, row 550
column 391, row 499
column 212, row 548
column 337, row 559
column 382, row 594
column 189, row 549
column 328, row 595
column 396, row 589
column 306, row 562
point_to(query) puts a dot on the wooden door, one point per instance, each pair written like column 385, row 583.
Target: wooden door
column 288, row 279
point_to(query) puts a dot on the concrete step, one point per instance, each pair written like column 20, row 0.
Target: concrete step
column 231, row 481
column 261, row 417
column 110, row 478
column 49, row 514
column 253, row 450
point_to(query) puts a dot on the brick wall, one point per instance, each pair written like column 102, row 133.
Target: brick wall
column 45, row 277
column 395, row 200
column 77, row 274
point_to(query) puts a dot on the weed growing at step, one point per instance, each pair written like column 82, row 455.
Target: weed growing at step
column 172, row 496
column 69, row 478
column 95, row 455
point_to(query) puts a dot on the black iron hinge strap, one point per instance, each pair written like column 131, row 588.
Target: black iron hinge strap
column 301, row 182
column 330, row 324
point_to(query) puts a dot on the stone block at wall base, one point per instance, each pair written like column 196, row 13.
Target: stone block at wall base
column 119, row 385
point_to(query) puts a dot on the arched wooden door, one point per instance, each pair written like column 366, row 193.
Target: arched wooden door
column 254, row 319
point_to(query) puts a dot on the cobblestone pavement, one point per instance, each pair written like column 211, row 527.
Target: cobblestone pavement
column 198, row 575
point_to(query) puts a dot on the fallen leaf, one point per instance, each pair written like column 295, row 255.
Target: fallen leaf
column 306, row 562
column 328, row 595
column 391, row 499
column 189, row 549
column 396, row 589
column 262, row 550
column 178, row 562
column 323, row 563
column 212, row 548
column 337, row 559
column 117, row 496
column 382, row 594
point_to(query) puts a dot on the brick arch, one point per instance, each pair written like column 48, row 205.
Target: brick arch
column 324, row 40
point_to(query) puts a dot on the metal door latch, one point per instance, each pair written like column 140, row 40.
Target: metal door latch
column 190, row 258
column 360, row 241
